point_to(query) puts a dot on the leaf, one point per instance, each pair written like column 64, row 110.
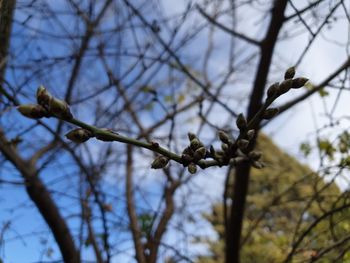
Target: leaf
column 181, row 98
column 305, row 148
column 326, row 147
column 168, row 99
column 145, row 221
column 323, row 92
column 309, row 85
column 148, row 89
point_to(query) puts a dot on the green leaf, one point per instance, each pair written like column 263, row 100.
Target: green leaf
column 169, row 99
column 305, row 148
column 181, row 98
column 148, row 89
column 323, row 92
column 326, row 147
column 145, row 221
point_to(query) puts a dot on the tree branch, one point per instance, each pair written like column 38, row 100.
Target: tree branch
column 240, row 189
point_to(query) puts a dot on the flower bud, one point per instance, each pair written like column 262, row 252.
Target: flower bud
column 212, row 150
column 285, row 86
column 192, row 168
column 273, row 90
column 107, row 207
column 79, row 135
column 186, row 158
column 60, row 109
column 33, row 111
column 188, row 151
column 43, row 97
column 289, row 74
column 160, row 162
column 242, row 144
column 191, row 136
column 241, row 122
column 223, row 136
column 299, row 82
column 199, row 153
column 195, row 144
column 225, row 147
column 255, row 155
column 219, row 154
column 250, row 134
column 270, row 113
column 257, row 164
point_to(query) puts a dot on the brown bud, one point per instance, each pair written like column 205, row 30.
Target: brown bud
column 43, row 97
column 212, row 150
column 289, row 74
column 285, row 86
column 160, row 162
column 299, row 82
column 270, row 113
column 257, row 164
column 191, row 136
column 199, row 153
column 241, row 122
column 223, row 137
column 154, row 144
column 250, row 134
column 79, row 135
column 273, row 90
column 103, row 136
column 192, row 168
column 33, row 111
column 242, row 144
column 186, row 158
column 107, row 207
column 255, row 155
column 188, row 151
column 195, row 144
column 225, row 147
column 60, row 109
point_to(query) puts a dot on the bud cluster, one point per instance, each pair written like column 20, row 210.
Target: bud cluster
column 289, row 82
column 193, row 153
column 47, row 106
column 233, row 151
column 236, row 151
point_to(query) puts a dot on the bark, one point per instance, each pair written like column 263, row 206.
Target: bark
column 42, row 199
column 241, row 183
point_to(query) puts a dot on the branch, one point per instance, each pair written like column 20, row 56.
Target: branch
column 7, row 8
column 315, row 89
column 164, row 220
column 228, row 30
column 42, row 199
column 312, row 226
column 130, row 202
column 240, row 191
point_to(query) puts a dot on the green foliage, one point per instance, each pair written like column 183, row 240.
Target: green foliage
column 305, row 148
column 327, row 148
column 145, row 222
column 282, row 199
